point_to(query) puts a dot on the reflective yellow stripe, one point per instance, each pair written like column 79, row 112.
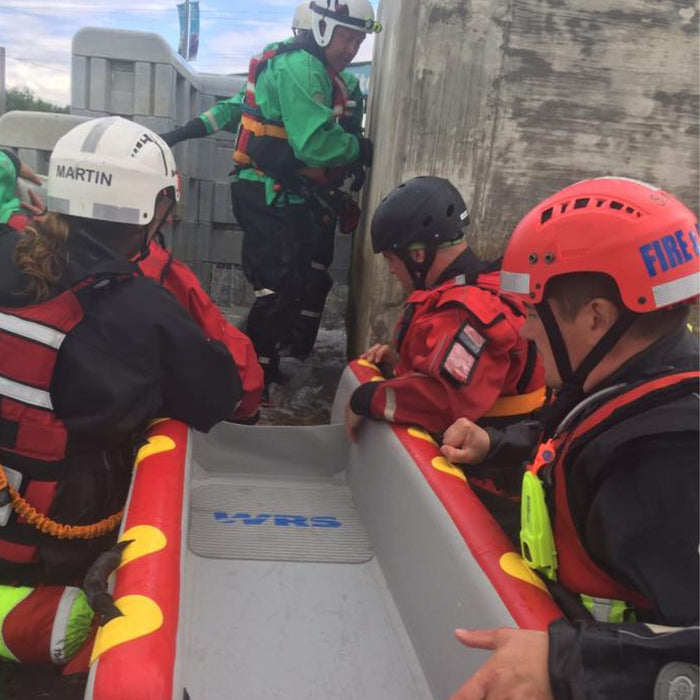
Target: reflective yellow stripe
column 518, row 405
column 261, row 129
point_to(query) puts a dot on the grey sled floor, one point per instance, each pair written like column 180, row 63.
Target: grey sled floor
column 289, row 629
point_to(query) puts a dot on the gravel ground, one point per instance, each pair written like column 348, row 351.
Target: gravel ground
column 304, row 399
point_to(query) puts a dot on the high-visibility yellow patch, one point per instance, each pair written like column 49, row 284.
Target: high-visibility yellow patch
column 367, row 363
column 514, row 565
column 421, row 434
column 140, row 616
column 377, row 379
column 155, row 445
column 10, row 597
column 443, row 465
column 146, row 539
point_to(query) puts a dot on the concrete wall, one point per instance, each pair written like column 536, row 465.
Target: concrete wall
column 514, row 99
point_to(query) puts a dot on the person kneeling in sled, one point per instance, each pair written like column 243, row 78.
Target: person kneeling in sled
column 456, row 349
column 610, row 492
column 92, row 351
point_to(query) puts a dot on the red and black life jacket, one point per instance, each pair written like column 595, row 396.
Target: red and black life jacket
column 263, row 143
column 529, row 392
column 33, row 440
column 576, row 570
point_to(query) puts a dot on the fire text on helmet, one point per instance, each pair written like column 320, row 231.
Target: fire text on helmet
column 672, row 250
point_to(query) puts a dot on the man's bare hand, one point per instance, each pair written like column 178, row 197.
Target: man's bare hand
column 352, row 423
column 36, row 204
column 380, row 353
column 517, row 669
column 26, row 172
column 465, row 442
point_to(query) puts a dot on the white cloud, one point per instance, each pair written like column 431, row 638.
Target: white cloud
column 38, row 35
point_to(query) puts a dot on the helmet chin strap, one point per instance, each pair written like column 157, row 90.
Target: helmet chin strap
column 418, row 271
column 571, row 391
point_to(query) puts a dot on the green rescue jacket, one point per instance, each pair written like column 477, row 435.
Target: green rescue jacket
column 294, row 88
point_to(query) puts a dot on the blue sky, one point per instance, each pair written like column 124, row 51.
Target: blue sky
column 37, row 35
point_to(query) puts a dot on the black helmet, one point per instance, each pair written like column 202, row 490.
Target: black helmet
column 426, row 210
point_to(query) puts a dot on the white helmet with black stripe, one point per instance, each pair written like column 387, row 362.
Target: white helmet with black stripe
column 326, row 15
column 111, row 169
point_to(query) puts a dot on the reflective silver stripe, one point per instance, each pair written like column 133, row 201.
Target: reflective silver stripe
column 96, row 133
column 517, row 282
column 59, row 205
column 32, row 330
column 25, row 394
column 390, row 405
column 264, row 360
column 60, row 625
column 123, row 215
column 600, row 608
column 678, row 290
column 212, row 121
column 263, row 292
column 318, row 266
column 310, row 314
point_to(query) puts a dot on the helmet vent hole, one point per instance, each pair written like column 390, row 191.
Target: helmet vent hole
column 546, row 215
column 581, row 203
column 600, row 203
column 427, row 221
column 564, row 207
column 629, row 210
column 617, row 206
column 450, row 210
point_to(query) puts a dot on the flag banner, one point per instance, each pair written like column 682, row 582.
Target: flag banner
column 194, row 30
column 182, row 13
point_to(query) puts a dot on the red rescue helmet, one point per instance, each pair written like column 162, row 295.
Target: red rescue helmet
column 642, row 237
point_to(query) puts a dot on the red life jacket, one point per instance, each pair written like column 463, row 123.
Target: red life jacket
column 18, row 222
column 33, row 440
column 576, row 570
column 523, row 388
column 178, row 279
column 255, row 127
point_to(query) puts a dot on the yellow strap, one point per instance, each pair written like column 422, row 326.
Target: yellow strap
column 520, row 404
column 261, row 129
column 50, row 527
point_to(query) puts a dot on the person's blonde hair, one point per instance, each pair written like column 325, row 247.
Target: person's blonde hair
column 41, row 254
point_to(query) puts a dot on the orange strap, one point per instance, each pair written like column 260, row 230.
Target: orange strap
column 518, row 405
column 50, row 527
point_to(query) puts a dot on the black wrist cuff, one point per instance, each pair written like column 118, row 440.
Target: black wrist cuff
column 361, row 399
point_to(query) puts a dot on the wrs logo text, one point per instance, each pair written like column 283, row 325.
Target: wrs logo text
column 277, row 520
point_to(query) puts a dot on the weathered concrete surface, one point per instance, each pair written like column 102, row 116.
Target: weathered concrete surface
column 513, row 100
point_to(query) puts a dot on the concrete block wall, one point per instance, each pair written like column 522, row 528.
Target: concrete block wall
column 138, row 76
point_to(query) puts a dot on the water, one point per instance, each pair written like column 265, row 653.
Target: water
column 304, row 399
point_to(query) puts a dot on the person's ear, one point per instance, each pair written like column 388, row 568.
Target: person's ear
column 600, row 316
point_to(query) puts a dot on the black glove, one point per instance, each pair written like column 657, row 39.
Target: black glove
column 357, row 173
column 194, row 129
column 170, row 137
column 348, row 215
column 366, row 152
